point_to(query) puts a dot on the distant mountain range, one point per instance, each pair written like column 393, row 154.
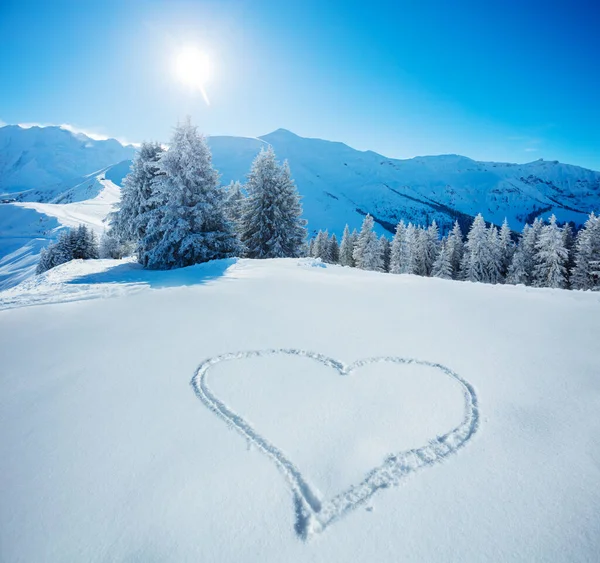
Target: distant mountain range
column 44, row 168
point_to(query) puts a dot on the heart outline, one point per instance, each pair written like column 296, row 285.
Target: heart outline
column 312, row 515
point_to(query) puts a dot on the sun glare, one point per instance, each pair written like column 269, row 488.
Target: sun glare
column 193, row 69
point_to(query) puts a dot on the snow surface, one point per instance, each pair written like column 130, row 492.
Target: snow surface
column 27, row 227
column 109, row 454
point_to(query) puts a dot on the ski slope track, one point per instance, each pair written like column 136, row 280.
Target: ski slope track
column 312, row 514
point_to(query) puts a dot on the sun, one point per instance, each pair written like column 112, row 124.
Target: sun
column 193, row 69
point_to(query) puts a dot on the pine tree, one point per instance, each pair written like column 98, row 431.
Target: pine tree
column 411, row 264
column 346, row 248
column 189, row 226
column 506, row 249
column 386, row 250
column 569, row 243
column 477, row 260
column 334, row 250
column 454, row 248
column 234, row 200
column 138, row 198
column 367, row 252
column 551, row 257
column 271, row 225
column 311, row 247
column 442, row 267
column 517, row 271
column 398, row 255
column 587, row 255
column 321, row 247
column 113, row 248
column 494, row 256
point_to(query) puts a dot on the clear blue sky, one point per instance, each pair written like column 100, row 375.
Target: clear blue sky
column 511, row 80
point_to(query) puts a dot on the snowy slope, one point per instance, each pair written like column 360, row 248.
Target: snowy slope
column 36, row 162
column 107, row 453
column 27, row 227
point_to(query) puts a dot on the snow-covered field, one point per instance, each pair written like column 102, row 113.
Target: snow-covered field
column 485, row 448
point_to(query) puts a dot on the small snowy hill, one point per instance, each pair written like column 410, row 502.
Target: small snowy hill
column 333, row 415
column 37, row 162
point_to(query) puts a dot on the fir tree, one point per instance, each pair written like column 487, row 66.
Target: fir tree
column 569, row 243
column 517, row 271
column 189, row 226
column 454, row 248
column 234, row 199
column 334, row 250
column 385, row 246
column 551, row 257
column 367, row 252
column 506, row 249
column 271, row 225
column 346, row 248
column 321, row 246
column 398, row 254
column 587, row 255
column 138, row 198
column 442, row 267
column 494, row 256
column 476, row 262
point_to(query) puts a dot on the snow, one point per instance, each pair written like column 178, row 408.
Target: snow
column 91, row 212
column 108, row 454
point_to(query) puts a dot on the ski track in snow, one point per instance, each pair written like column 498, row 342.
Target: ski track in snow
column 312, row 515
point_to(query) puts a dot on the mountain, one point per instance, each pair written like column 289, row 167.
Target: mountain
column 53, row 178
column 37, row 163
column 340, row 184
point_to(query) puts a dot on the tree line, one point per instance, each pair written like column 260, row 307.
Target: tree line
column 174, row 213
column 545, row 254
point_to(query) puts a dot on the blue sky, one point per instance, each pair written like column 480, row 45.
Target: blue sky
column 510, row 81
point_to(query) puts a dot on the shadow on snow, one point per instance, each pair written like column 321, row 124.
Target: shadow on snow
column 133, row 273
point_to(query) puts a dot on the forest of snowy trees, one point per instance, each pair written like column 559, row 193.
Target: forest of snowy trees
column 74, row 244
column 545, row 255
column 174, row 213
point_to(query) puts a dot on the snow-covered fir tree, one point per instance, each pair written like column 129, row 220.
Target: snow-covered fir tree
column 411, row 264
column 398, row 250
column 112, row 247
column 234, row 199
column 454, row 248
column 346, row 248
column 517, row 271
column 138, row 199
column 334, row 250
column 477, row 260
column 494, row 256
column 190, row 224
column 506, row 248
column 271, row 225
column 569, row 243
column 321, row 247
column 75, row 244
column 587, row 255
column 386, row 250
column 442, row 267
column 367, row 251
column 551, row 257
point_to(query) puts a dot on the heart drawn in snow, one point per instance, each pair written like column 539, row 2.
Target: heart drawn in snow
column 313, row 515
